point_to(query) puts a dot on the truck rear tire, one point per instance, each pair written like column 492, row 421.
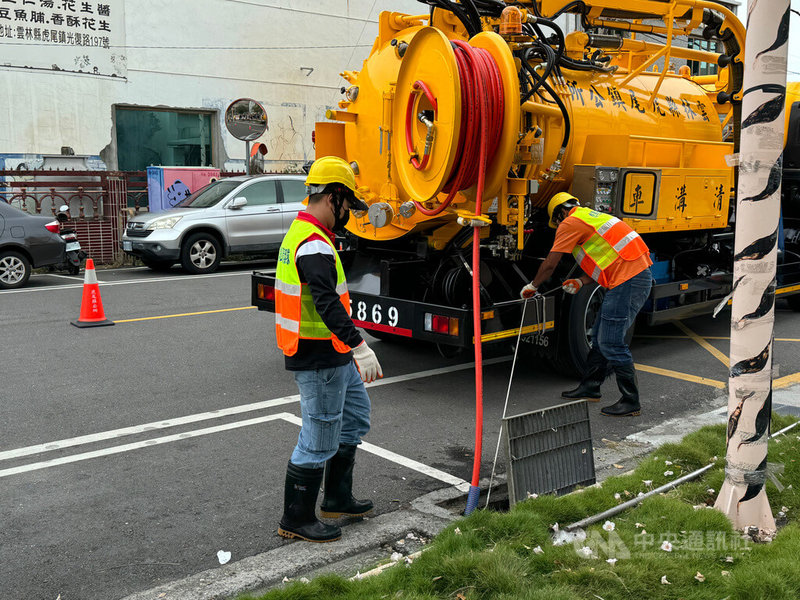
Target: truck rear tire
column 574, row 330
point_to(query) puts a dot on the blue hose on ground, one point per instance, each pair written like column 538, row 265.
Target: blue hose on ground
column 472, row 499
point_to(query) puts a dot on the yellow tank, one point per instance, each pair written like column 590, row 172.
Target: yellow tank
column 643, row 144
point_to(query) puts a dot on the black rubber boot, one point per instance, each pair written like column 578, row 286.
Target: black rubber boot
column 338, row 498
column 589, row 388
column 299, row 507
column 628, row 405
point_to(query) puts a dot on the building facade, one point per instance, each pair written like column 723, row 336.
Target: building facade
column 124, row 84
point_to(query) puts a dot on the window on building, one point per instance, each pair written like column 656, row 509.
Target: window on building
column 703, row 68
column 162, row 137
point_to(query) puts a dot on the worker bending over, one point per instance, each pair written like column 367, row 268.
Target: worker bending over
column 616, row 257
column 327, row 355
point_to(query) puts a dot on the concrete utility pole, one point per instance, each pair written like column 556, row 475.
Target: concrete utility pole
column 742, row 496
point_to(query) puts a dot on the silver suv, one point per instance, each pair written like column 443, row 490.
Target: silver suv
column 236, row 215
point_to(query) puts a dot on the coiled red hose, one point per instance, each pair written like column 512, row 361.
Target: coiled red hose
column 481, row 121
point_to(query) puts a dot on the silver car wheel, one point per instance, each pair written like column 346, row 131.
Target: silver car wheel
column 12, row 270
column 203, row 254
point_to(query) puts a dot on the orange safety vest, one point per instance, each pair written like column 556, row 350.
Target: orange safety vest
column 612, row 240
column 296, row 317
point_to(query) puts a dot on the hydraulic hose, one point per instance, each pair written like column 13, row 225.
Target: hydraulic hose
column 555, row 96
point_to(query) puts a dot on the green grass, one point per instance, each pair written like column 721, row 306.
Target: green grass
column 491, row 555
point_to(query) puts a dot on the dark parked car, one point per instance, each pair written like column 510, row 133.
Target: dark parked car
column 26, row 242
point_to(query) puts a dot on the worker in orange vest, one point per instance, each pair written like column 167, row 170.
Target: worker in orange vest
column 329, row 358
column 612, row 254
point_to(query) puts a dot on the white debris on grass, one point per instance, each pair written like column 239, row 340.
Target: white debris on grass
column 609, row 526
column 666, row 546
column 560, row 538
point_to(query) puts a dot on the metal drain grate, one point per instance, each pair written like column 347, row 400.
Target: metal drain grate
column 549, row 451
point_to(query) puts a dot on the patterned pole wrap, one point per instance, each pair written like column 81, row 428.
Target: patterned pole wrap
column 742, row 496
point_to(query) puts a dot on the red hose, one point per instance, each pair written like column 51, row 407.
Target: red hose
column 481, row 123
column 418, row 85
column 481, row 117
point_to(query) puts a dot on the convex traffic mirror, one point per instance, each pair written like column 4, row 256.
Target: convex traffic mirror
column 246, row 119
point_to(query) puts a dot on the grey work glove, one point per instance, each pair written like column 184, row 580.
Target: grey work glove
column 367, row 363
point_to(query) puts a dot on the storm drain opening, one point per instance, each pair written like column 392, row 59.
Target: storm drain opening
column 549, row 451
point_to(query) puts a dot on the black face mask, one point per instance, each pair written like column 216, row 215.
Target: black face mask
column 339, row 223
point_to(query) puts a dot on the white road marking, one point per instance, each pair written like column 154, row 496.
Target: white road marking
column 290, row 418
column 137, row 429
column 186, row 278
column 215, row 414
column 409, row 463
column 137, row 445
column 70, row 277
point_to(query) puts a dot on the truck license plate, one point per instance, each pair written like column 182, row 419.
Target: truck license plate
column 127, row 246
column 73, row 246
column 377, row 315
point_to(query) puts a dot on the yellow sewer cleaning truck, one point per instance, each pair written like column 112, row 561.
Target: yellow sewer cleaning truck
column 478, row 112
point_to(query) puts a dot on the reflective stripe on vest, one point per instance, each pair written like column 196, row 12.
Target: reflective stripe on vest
column 296, row 317
column 612, row 239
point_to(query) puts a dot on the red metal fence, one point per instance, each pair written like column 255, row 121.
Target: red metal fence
column 99, row 202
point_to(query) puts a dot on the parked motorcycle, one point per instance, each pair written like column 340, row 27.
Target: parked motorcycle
column 75, row 256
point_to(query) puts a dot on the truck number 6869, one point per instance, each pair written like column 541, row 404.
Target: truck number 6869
column 376, row 314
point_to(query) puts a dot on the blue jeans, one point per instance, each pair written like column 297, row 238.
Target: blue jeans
column 335, row 408
column 618, row 312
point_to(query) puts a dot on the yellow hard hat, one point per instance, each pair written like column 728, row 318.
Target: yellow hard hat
column 332, row 169
column 558, row 200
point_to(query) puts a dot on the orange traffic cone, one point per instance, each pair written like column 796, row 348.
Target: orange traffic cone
column 92, row 314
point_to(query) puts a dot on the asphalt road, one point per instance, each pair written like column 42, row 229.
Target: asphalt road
column 130, row 455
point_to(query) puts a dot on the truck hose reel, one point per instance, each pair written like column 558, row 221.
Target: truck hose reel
column 479, row 78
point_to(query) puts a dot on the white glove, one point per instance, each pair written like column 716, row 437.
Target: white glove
column 571, row 286
column 367, row 363
column 529, row 291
